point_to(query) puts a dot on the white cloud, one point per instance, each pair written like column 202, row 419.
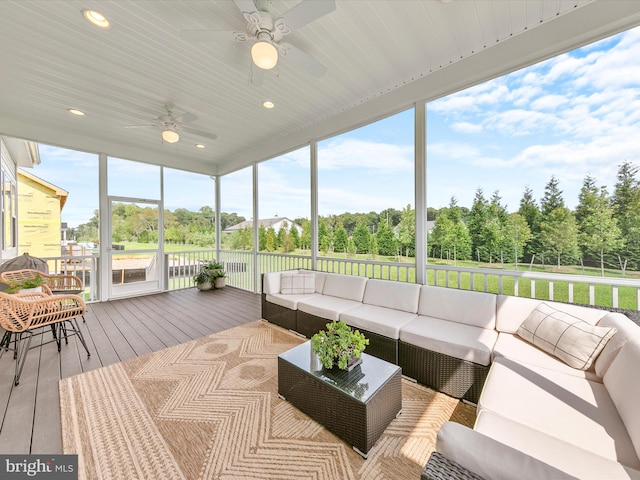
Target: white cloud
column 549, row 102
column 466, row 127
column 365, row 154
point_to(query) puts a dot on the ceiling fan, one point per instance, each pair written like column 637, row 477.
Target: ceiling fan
column 265, row 31
column 170, row 125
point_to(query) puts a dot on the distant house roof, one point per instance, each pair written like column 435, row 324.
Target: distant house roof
column 59, row 192
column 266, row 223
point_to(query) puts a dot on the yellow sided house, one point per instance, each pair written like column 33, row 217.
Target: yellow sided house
column 40, row 204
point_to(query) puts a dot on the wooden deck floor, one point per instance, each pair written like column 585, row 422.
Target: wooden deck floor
column 114, row 331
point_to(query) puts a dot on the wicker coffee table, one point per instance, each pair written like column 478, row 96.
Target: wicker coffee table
column 357, row 406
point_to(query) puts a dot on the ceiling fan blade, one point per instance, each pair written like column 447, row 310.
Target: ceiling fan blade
column 208, row 35
column 302, row 60
column 199, row 133
column 141, row 126
column 307, row 11
column 185, row 118
column 245, row 6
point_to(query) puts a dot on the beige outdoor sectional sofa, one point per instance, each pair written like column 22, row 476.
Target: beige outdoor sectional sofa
column 574, row 413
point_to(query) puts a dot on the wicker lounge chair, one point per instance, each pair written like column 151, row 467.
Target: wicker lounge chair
column 23, row 314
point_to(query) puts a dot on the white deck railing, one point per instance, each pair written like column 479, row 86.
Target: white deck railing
column 180, row 267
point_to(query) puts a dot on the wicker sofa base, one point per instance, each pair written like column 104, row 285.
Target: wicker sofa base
column 450, row 375
column 441, row 468
column 308, row 324
column 281, row 316
column 380, row 346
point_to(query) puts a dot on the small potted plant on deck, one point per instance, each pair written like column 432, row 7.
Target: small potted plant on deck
column 204, row 279
column 218, row 275
column 339, row 346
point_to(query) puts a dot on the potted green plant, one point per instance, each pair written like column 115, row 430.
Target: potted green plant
column 339, row 346
column 218, row 277
column 26, row 285
column 204, row 279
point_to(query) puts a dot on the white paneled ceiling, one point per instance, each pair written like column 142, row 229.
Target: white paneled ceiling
column 381, row 56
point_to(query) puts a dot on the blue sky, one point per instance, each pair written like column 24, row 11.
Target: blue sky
column 572, row 115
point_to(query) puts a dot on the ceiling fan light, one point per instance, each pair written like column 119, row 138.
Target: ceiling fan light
column 169, row 135
column 264, row 55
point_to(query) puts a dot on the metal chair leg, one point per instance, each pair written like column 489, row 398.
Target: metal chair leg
column 21, row 355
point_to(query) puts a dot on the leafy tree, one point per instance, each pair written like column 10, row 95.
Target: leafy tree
column 476, row 224
column 559, row 235
column 552, row 197
column 531, row 213
column 262, row 238
column 516, row 235
column 600, row 233
column 324, row 236
column 450, row 233
column 295, row 236
column 361, row 236
column 270, row 241
column 385, row 238
column 373, row 246
column 305, row 238
column 282, row 232
column 407, row 231
column 340, row 238
column 626, row 205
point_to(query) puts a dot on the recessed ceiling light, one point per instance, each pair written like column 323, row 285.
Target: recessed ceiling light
column 268, row 104
column 75, row 111
column 95, row 18
column 199, row 145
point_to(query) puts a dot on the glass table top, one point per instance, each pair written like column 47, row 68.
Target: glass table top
column 360, row 383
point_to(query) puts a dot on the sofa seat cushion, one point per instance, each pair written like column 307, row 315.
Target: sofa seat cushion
column 455, row 339
column 326, row 306
column 566, row 457
column 513, row 347
column 290, row 301
column 455, row 305
column 391, row 294
column 380, row 320
column 572, row 409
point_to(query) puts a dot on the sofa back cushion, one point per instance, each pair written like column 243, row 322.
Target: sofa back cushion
column 462, row 306
column 622, row 380
column 394, row 295
column 320, row 276
column 348, row 287
column 295, row 283
column 271, row 283
column 625, row 331
column 568, row 338
column 512, row 311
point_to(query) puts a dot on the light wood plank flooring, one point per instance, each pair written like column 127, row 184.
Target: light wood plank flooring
column 114, row 331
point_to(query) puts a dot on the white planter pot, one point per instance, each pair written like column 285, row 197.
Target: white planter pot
column 204, row 286
column 220, row 283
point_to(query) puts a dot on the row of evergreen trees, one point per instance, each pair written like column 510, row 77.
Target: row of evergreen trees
column 603, row 230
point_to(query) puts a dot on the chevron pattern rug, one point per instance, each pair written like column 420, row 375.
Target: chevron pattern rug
column 208, row 409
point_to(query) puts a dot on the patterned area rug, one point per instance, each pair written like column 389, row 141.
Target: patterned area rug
column 208, row 409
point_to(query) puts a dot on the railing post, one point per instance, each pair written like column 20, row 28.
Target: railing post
column 550, row 289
